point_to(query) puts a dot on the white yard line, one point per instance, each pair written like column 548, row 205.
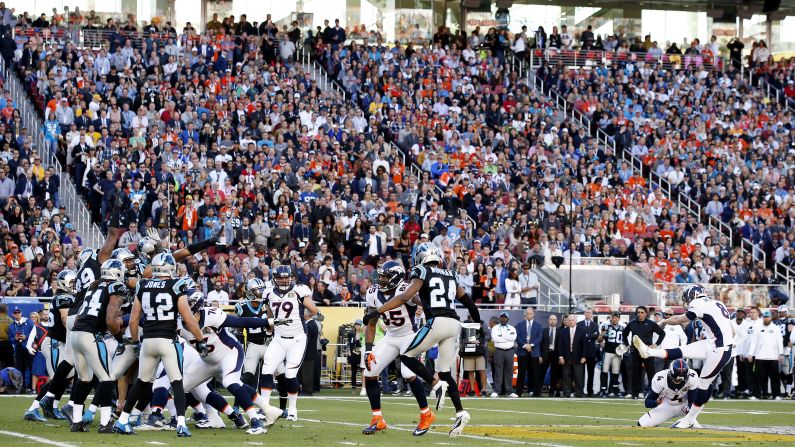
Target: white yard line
column 36, row 438
column 480, row 438
column 156, row 443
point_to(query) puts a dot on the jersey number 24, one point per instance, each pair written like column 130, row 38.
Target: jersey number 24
column 442, row 296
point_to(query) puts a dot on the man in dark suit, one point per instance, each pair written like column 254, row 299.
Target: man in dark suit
column 529, row 335
column 571, row 356
column 549, row 354
column 591, row 330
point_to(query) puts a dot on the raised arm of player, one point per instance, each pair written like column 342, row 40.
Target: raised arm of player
column 183, row 253
column 466, row 300
column 401, row 298
column 113, row 234
column 676, row 319
column 188, row 320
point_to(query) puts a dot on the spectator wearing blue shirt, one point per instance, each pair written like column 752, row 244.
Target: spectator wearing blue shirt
column 18, row 332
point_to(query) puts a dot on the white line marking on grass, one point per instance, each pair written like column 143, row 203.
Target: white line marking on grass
column 480, row 438
column 348, row 443
column 36, row 438
column 156, row 443
column 627, row 443
column 254, row 443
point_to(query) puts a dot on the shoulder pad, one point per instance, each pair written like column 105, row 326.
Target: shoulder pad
column 181, row 287
column 302, row 290
column 117, row 288
column 418, row 271
column 239, row 309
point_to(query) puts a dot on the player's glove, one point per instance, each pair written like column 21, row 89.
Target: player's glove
column 282, row 321
column 369, row 360
column 202, row 348
column 370, row 316
column 32, row 350
column 120, row 349
column 136, row 345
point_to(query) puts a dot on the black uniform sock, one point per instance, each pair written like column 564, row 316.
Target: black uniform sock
column 179, row 396
column 249, row 379
column 418, row 390
column 104, row 394
column 417, row 368
column 43, row 390
column 373, row 389
column 281, row 388
column 452, row 390
column 80, row 392
column 60, row 379
column 603, row 381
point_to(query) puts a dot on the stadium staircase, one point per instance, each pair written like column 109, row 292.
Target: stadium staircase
column 80, row 218
column 783, row 273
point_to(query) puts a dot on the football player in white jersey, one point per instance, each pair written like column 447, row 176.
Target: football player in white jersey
column 224, row 359
column 669, row 394
column 288, row 302
column 400, row 330
column 715, row 349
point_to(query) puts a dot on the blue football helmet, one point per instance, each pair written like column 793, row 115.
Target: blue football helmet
column 677, row 373
column 692, row 292
column 283, row 278
column 389, row 276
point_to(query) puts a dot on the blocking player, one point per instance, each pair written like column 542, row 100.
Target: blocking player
column 400, row 329
column 99, row 313
column 715, row 349
column 254, row 306
column 669, row 394
column 162, row 300
column 288, row 302
column 611, row 333
column 224, row 358
column 55, row 343
column 437, row 289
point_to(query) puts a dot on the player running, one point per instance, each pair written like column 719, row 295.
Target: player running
column 99, row 313
column 54, row 344
column 400, row 329
column 288, row 302
column 437, row 289
column 716, row 349
column 161, row 299
column 669, row 394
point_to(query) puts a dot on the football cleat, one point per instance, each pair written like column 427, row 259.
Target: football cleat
column 124, row 429
column 182, row 431
column 198, row 417
column 643, row 349
column 107, row 428
column 292, row 417
column 66, row 410
column 697, row 425
column 239, row 420
column 461, row 421
column 376, row 424
column 257, row 428
column 683, row 423
column 34, row 416
column 172, row 424
column 78, row 427
column 272, row 414
column 88, row 417
column 48, row 410
column 56, row 412
column 137, row 420
column 426, row 419
column 440, row 389
column 284, row 413
column 156, row 420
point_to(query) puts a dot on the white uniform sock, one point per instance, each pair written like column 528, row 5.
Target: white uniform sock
column 92, row 408
column 180, row 421
column 261, row 402
column 55, row 402
column 171, row 408
column 77, row 413
column 657, row 352
column 104, row 415
column 292, row 403
column 265, row 393
column 124, row 417
column 228, row 410
column 35, row 405
column 199, row 408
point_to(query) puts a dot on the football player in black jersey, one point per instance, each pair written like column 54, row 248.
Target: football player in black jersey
column 438, row 289
column 88, row 269
column 256, row 343
column 54, row 343
column 161, row 300
column 99, row 313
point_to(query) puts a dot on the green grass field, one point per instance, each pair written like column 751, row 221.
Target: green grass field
column 335, row 418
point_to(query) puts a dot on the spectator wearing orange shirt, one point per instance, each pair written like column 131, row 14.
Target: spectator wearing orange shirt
column 187, row 214
column 14, row 259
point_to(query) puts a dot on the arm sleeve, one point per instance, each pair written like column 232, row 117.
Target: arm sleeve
column 31, row 337
column 651, row 399
column 626, row 332
column 244, row 322
column 659, row 331
column 466, row 300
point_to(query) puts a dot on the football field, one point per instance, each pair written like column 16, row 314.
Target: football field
column 335, row 418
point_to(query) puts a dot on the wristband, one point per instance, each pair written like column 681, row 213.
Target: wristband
column 368, row 347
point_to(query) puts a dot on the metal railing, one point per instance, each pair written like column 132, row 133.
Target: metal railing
column 733, row 295
column 592, row 58
column 68, row 195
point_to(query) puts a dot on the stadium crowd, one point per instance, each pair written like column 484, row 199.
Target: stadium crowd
column 229, row 130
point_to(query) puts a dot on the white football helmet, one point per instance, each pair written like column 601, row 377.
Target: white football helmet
column 112, row 270
column 66, row 281
column 427, row 252
column 85, row 255
column 164, row 265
